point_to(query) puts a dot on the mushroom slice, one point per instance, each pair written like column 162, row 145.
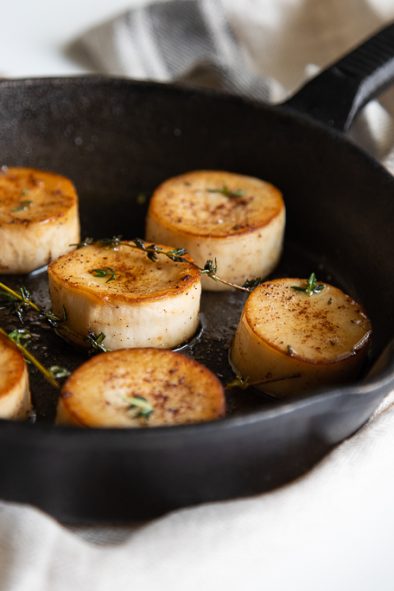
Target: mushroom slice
column 14, row 382
column 234, row 219
column 296, row 335
column 38, row 218
column 120, row 292
column 140, row 388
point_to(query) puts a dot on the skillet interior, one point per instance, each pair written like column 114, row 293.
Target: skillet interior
column 116, row 139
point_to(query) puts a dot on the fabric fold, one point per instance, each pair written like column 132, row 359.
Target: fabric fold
column 190, row 41
column 257, row 49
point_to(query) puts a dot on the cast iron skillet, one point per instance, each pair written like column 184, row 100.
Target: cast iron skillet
column 116, row 138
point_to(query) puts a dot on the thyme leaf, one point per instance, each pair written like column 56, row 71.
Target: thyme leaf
column 113, row 242
column 141, row 405
column 104, row 272
column 224, row 190
column 22, row 205
column 210, row 268
column 139, row 243
column 177, row 254
column 85, row 242
column 253, row 283
column 95, row 342
column 25, row 293
column 311, row 287
column 20, row 335
column 52, row 319
column 59, row 372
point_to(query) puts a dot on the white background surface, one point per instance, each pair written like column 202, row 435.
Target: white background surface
column 35, row 33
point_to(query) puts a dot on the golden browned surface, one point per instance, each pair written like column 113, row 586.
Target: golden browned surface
column 136, row 277
column 322, row 328
column 180, row 390
column 31, row 196
column 15, row 400
column 12, row 366
column 194, row 203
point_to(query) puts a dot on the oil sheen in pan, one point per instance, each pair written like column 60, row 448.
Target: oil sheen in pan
column 220, row 312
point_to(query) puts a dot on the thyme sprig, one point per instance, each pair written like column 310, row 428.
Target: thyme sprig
column 18, row 301
column 22, row 300
column 19, row 335
column 177, row 255
column 153, row 251
column 224, row 190
column 311, row 287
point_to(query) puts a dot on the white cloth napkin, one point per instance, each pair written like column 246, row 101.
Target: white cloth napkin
column 332, row 529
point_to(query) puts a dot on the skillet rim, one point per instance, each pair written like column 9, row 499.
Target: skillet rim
column 282, row 107
column 284, row 111
column 378, row 386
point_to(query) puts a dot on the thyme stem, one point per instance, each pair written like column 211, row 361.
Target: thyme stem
column 243, row 383
column 220, row 280
column 153, row 251
column 30, row 357
column 20, row 297
column 176, row 255
column 57, row 324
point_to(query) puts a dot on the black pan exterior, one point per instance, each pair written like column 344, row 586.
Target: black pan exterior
column 116, row 138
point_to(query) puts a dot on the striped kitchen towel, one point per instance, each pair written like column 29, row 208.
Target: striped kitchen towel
column 190, row 41
column 262, row 49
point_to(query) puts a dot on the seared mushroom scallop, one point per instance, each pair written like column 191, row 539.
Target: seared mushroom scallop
column 234, row 219
column 295, row 335
column 38, row 218
column 120, row 292
column 14, row 382
column 140, row 388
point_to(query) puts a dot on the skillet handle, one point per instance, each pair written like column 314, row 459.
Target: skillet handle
column 335, row 96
